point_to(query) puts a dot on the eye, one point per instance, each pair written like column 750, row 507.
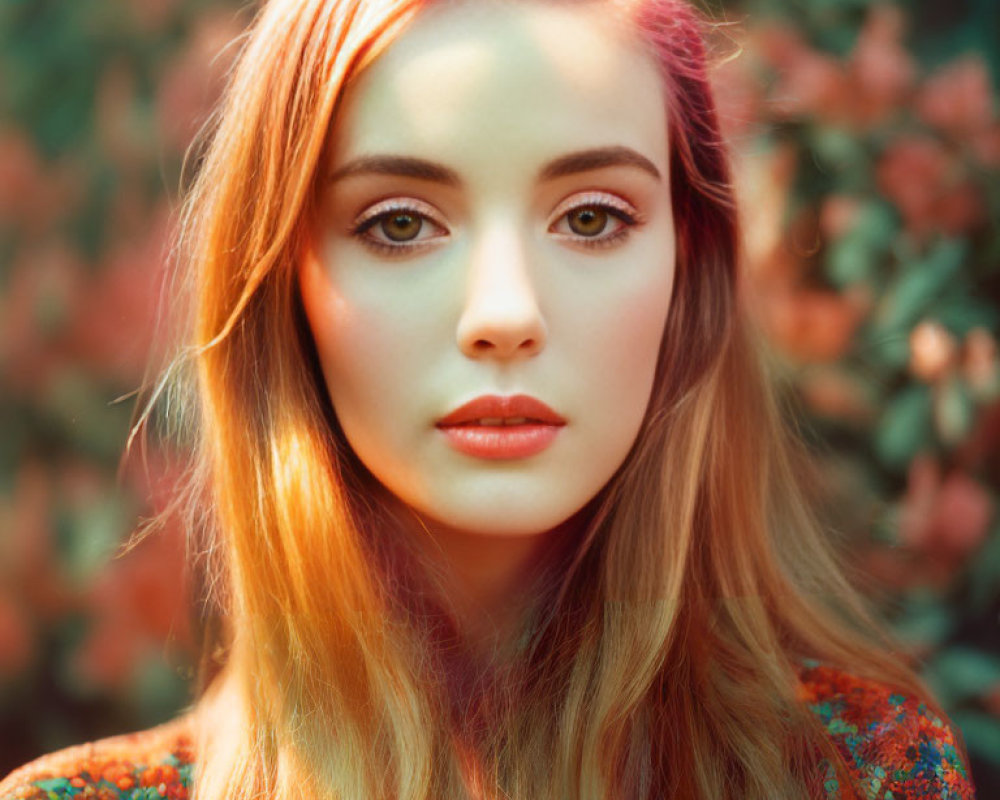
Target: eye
column 595, row 219
column 397, row 226
column 588, row 220
column 401, row 227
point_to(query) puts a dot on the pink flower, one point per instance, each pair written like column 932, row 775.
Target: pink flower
column 881, row 70
column 929, row 187
column 911, row 174
column 139, row 603
column 815, row 85
column 961, row 208
column 875, row 82
column 810, row 83
column 980, row 365
column 923, row 481
column 986, row 146
column 113, row 326
column 835, row 393
column 17, row 644
column 20, row 173
column 192, row 83
column 28, row 552
column 962, row 513
column 838, row 215
column 812, row 325
column 947, row 516
column 958, row 99
column 35, row 312
column 35, row 195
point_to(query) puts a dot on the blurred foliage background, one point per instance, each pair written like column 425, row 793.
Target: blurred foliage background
column 867, row 143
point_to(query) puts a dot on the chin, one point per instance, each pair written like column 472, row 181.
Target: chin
column 493, row 525
column 504, row 519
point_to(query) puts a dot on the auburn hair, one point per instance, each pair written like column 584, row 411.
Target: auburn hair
column 661, row 652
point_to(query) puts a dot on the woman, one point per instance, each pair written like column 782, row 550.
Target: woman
column 492, row 497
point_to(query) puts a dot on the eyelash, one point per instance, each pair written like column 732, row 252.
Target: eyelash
column 617, row 208
column 382, row 211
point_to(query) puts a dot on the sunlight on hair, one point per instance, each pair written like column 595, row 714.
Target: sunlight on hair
column 290, row 463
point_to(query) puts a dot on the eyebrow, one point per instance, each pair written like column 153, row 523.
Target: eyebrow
column 403, row 166
column 570, row 164
column 598, row 158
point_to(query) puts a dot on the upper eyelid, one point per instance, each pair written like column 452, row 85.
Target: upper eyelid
column 396, row 204
column 595, row 198
column 591, row 197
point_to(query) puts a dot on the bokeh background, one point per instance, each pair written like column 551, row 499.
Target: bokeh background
column 868, row 152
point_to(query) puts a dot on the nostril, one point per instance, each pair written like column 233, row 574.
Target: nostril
column 481, row 345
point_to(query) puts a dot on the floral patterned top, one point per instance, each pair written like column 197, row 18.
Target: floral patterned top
column 895, row 749
column 894, row 746
column 151, row 765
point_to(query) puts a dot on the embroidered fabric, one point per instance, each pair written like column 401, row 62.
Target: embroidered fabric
column 894, row 746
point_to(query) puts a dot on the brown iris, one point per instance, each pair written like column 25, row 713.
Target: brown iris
column 588, row 221
column 401, row 227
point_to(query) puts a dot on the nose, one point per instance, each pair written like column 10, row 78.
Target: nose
column 501, row 318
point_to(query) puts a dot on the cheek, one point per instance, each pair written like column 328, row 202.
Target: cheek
column 370, row 342
column 618, row 349
column 636, row 335
column 348, row 342
column 622, row 331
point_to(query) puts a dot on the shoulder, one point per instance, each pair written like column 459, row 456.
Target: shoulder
column 895, row 747
column 148, row 765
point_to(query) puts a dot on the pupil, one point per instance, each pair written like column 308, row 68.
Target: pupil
column 588, row 221
column 401, row 227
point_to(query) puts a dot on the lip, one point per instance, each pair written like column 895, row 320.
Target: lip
column 501, row 441
column 493, row 405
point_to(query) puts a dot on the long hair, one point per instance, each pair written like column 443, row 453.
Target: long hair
column 660, row 655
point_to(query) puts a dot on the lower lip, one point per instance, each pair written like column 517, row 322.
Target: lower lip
column 504, row 441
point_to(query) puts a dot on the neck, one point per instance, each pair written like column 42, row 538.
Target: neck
column 489, row 582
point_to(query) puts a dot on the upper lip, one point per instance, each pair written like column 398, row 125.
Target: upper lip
column 492, row 405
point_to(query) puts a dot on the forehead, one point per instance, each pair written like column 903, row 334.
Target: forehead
column 518, row 80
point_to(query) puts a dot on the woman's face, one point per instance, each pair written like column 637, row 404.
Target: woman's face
column 496, row 222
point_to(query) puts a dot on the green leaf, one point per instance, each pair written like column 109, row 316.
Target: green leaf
column 76, row 406
column 90, row 535
column 850, row 260
column 981, row 733
column 891, row 349
column 55, row 785
column 157, row 691
column 924, row 620
column 905, row 426
column 837, row 148
column 961, row 312
column 953, row 411
column 857, row 256
column 963, row 673
column 921, row 281
column 984, row 572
